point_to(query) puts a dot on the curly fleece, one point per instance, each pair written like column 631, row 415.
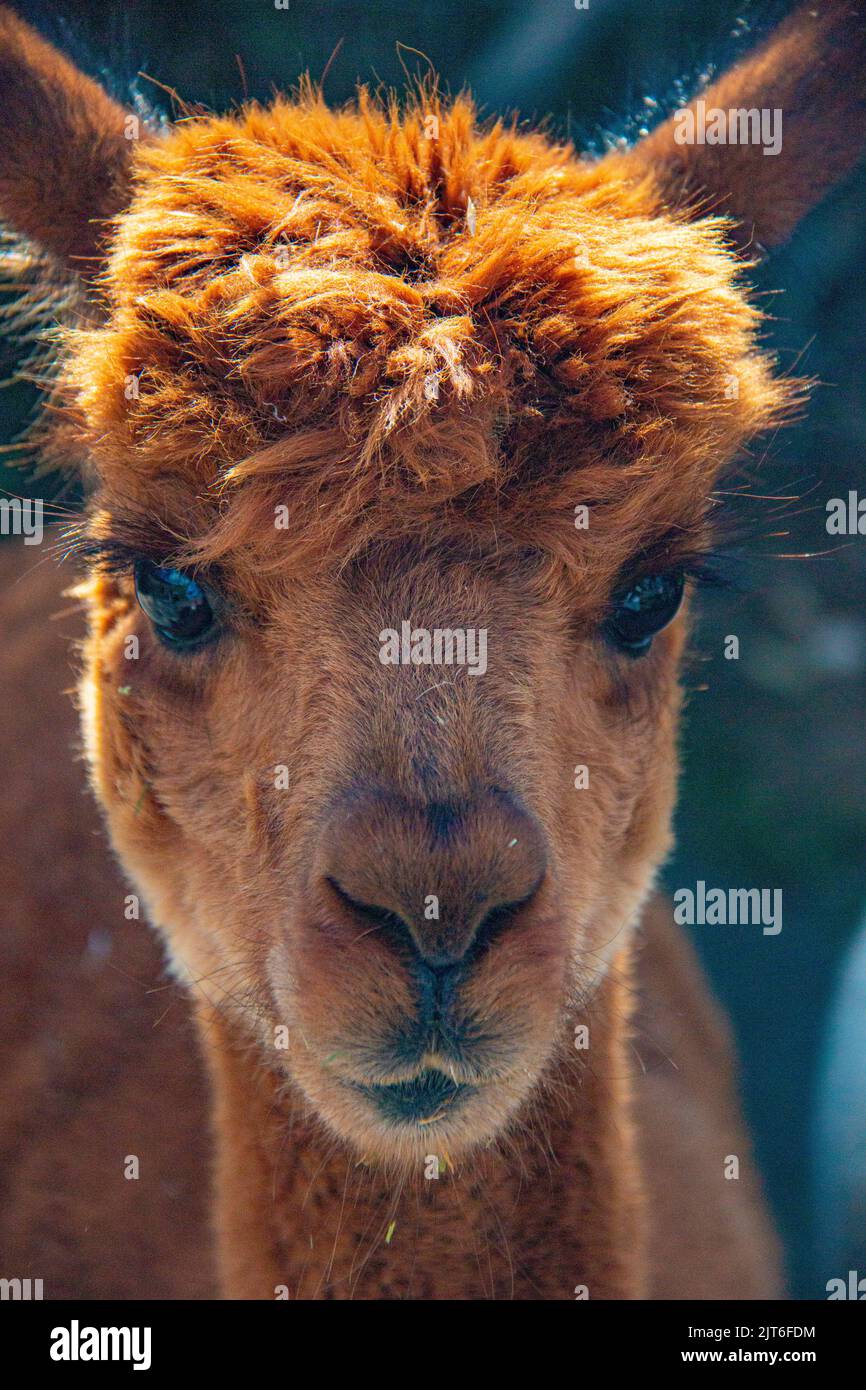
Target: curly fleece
column 381, row 318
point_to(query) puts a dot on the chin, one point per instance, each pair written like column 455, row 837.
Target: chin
column 403, row 1124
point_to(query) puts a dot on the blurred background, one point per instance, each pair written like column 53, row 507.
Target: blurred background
column 774, row 747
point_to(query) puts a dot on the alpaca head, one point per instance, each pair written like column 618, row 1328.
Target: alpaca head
column 401, row 440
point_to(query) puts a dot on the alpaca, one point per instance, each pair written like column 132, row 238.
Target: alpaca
column 333, row 376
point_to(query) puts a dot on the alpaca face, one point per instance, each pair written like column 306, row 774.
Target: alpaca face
column 394, row 513
column 402, row 439
column 399, row 878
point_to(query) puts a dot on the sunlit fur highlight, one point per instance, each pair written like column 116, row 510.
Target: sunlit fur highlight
column 380, row 330
column 427, row 343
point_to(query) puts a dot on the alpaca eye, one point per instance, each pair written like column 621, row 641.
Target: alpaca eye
column 176, row 604
column 637, row 615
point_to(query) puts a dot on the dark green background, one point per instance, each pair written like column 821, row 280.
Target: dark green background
column 774, row 750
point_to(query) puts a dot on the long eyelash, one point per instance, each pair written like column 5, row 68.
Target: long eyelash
column 113, row 554
column 716, row 570
column 706, row 569
column 109, row 556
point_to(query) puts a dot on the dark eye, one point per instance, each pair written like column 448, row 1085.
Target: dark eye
column 176, row 604
column 638, row 614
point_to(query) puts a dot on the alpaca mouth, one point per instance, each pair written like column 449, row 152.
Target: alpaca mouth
column 428, row 1097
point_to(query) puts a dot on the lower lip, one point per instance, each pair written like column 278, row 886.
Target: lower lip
column 429, row 1097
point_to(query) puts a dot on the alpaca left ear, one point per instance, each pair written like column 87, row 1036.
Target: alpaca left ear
column 797, row 109
column 65, row 148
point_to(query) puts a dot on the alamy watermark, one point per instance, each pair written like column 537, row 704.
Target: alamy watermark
column 711, row 125
column 77, row 1343
column 22, row 516
column 729, row 907
column 853, row 1287
column 439, row 646
column 846, row 516
column 20, row 1290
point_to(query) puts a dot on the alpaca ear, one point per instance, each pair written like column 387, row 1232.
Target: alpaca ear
column 807, row 83
column 64, row 151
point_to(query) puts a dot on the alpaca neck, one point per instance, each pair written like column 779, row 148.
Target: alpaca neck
column 299, row 1217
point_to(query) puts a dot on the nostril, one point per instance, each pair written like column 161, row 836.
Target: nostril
column 497, row 921
column 378, row 918
column 492, row 925
column 398, row 933
column 438, row 882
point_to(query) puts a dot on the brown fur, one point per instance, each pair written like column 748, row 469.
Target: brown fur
column 429, row 351
column 98, row 1060
column 61, row 203
column 812, row 70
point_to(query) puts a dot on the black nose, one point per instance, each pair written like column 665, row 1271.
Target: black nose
column 442, row 878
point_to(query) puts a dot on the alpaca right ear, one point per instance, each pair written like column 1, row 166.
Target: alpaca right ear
column 65, row 149
column 809, row 76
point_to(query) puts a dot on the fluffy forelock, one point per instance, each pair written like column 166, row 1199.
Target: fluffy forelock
column 381, row 319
